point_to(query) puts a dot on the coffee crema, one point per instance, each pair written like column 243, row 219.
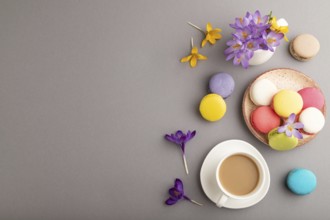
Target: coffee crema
column 239, row 174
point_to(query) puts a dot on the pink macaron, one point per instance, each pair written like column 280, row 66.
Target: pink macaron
column 264, row 119
column 312, row 97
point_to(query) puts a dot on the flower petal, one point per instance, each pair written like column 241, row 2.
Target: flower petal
column 170, row 138
column 214, row 32
column 191, row 134
column 186, row 59
column 201, row 57
column 188, row 135
column 230, row 56
column 271, row 49
column 298, row 125
column 291, row 118
column 174, row 193
column 183, row 139
column 297, row 134
column 178, row 134
column 245, row 63
column 288, row 133
column 236, row 60
column 193, row 61
column 178, row 185
column 170, row 201
column 282, row 129
column 194, row 50
column 284, row 29
column 204, row 42
column 208, row 27
column 216, row 36
column 212, row 40
column 175, row 138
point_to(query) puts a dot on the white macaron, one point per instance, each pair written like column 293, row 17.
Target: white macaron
column 262, row 92
column 313, row 120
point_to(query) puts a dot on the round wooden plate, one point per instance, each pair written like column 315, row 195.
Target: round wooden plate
column 284, row 79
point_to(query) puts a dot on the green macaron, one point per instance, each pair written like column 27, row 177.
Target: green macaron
column 281, row 142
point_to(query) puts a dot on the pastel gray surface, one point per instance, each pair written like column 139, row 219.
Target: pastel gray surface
column 89, row 88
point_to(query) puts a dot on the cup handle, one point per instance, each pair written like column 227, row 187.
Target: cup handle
column 222, row 200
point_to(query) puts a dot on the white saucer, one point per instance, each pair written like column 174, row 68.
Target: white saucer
column 207, row 175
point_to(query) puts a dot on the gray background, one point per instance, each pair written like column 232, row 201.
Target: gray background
column 89, row 88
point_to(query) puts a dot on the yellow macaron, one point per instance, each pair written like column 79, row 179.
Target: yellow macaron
column 286, row 102
column 212, row 107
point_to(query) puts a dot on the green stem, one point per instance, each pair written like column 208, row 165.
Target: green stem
column 270, row 16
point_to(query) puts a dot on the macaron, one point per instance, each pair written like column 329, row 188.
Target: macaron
column 304, row 47
column 301, row 181
column 312, row 97
column 281, row 142
column 264, row 119
column 286, row 102
column 212, row 107
column 262, row 92
column 222, row 84
column 313, row 120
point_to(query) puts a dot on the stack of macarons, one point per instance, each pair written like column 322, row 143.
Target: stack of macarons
column 274, row 106
column 213, row 106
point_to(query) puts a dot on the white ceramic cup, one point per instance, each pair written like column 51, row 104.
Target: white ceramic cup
column 261, row 56
column 225, row 194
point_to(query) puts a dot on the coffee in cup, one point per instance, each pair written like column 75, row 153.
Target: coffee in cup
column 239, row 176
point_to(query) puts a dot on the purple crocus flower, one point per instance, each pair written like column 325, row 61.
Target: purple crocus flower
column 235, row 45
column 177, row 193
column 258, row 25
column 272, row 39
column 260, row 21
column 181, row 139
column 252, row 32
column 243, row 34
column 291, row 127
column 240, row 23
column 252, row 44
column 257, row 31
column 248, row 16
column 243, row 58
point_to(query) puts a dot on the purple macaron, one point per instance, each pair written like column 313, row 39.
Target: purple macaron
column 222, row 84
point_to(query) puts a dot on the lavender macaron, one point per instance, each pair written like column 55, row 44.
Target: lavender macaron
column 222, row 84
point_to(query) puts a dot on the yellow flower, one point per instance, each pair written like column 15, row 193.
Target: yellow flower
column 211, row 35
column 279, row 29
column 193, row 57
